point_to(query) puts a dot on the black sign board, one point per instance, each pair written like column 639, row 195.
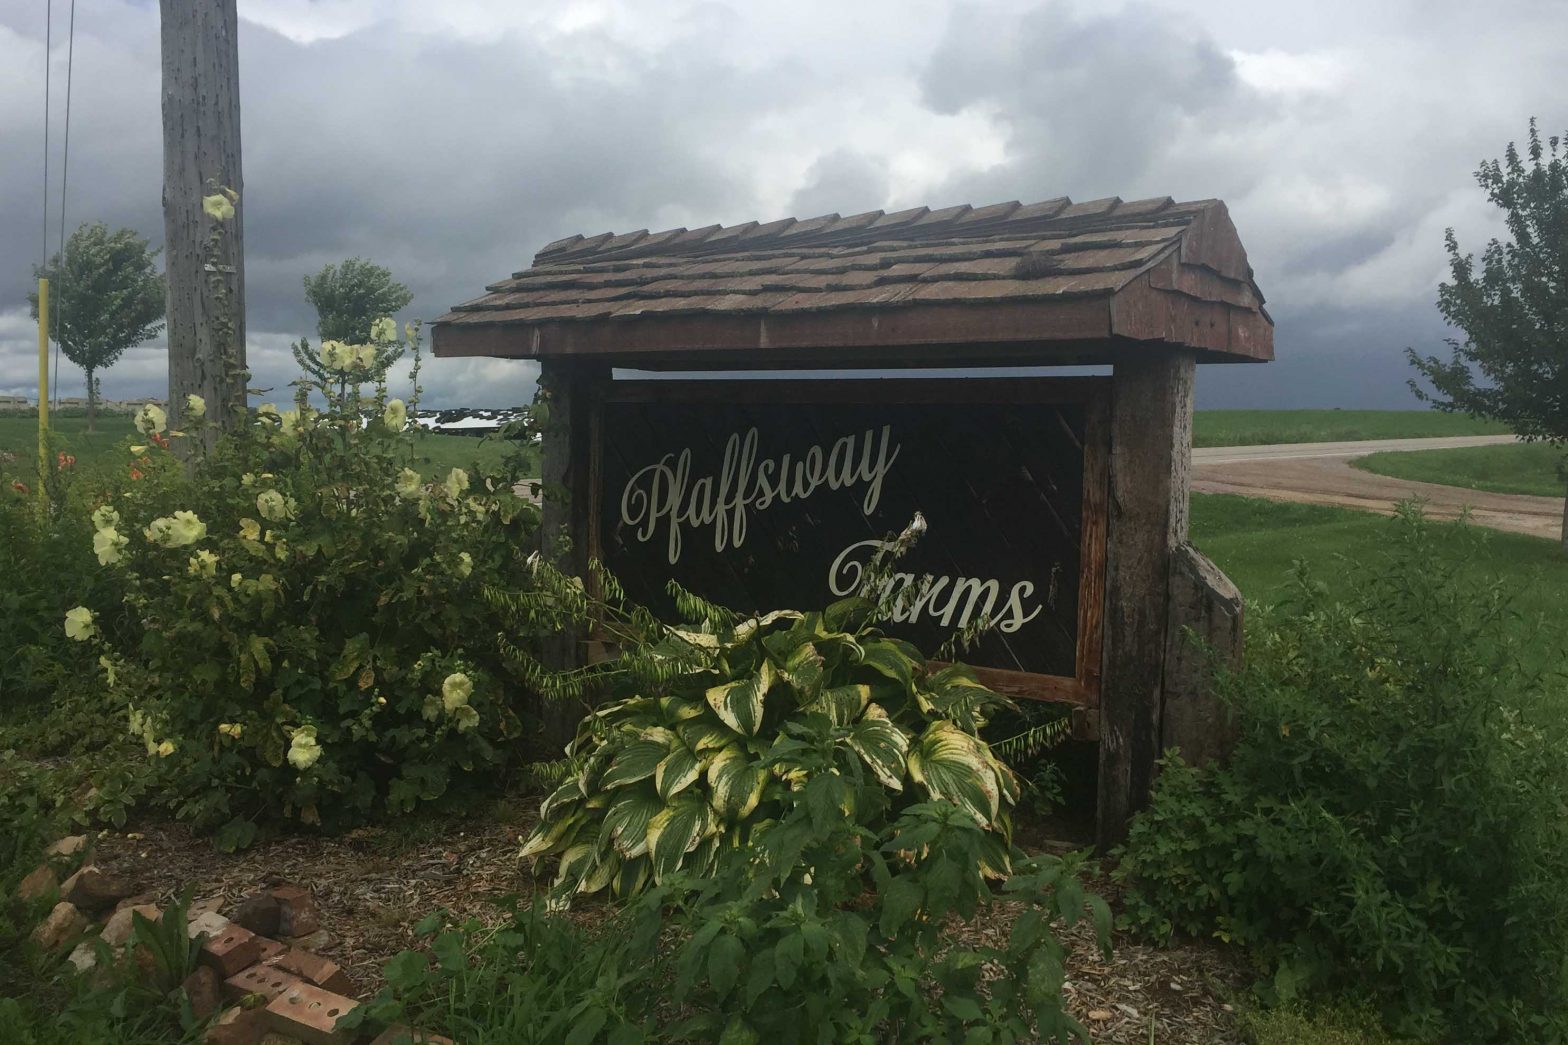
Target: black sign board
column 763, row 495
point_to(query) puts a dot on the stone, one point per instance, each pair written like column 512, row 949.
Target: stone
column 319, row 940
column 209, row 922
column 230, row 951
column 299, row 915
column 63, row 925
column 201, row 907
column 94, row 890
column 323, row 972
column 274, row 1038
column 38, row 884
column 68, row 846
column 261, row 913
column 84, row 956
column 311, row 1014
column 399, row 1034
column 201, row 988
column 239, row 1027
column 263, row 981
column 136, row 901
column 117, row 930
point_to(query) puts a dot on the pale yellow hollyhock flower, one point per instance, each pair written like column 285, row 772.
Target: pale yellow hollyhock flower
column 236, row 579
column 79, row 624
column 410, row 331
column 105, row 517
column 383, row 329
column 289, row 422
column 456, row 483
column 465, row 564
column 364, row 356
column 166, row 749
column 273, row 506
column 176, row 531
column 250, row 529
column 203, row 564
column 150, row 419
column 455, row 691
column 466, row 718
column 409, row 484
column 395, row 416
column 195, row 407
column 218, row 207
column 108, row 544
column 231, row 729
column 332, row 355
column 304, row 749
column 108, row 669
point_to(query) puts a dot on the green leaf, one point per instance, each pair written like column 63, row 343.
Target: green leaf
column 407, row 971
column 736, row 783
column 900, row 900
column 803, row 672
column 675, row 831
column 626, row 821
column 739, row 703
column 638, row 760
column 705, row 735
column 955, row 767
column 897, row 660
column 787, row 956
column 677, row 771
column 842, row 704
column 724, row 961
column 965, row 1010
column 881, row 745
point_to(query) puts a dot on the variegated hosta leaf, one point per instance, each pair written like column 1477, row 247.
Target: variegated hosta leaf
column 897, row 660
column 995, row 859
column 676, row 709
column 636, row 761
column 739, row 703
column 700, row 639
column 881, row 745
column 705, row 735
column 548, row 836
column 626, row 822
column 601, row 873
column 842, row 704
column 559, row 798
column 676, row 772
column 955, row 767
column 575, row 862
column 632, row 875
column 747, row 628
column 675, row 831
column 803, row 671
column 735, row 782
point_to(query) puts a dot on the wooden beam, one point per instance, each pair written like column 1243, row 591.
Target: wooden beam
column 1151, row 455
column 1203, row 634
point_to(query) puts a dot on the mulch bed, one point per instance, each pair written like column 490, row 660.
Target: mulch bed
column 374, row 884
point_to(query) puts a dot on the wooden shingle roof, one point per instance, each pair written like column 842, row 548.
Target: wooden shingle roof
column 1009, row 283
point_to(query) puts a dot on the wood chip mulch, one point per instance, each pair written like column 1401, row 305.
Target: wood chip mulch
column 374, row 884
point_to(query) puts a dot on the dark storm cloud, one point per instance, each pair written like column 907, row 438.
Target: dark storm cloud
column 843, row 182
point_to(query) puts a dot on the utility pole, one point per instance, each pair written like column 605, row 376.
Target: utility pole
column 204, row 255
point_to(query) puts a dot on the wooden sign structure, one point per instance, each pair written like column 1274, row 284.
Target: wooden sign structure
column 1055, row 507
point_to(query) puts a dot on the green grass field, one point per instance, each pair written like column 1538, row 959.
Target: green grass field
column 1256, row 427
column 1256, row 542
column 1519, row 468
column 438, row 454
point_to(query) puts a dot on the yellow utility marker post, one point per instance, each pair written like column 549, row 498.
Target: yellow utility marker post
column 43, row 387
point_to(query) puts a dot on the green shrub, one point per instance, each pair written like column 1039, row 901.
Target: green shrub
column 302, row 633
column 715, row 719
column 1392, row 824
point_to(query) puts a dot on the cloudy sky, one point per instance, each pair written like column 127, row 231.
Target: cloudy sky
column 448, row 140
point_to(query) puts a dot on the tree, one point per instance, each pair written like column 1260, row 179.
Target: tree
column 351, row 296
column 105, row 296
column 1514, row 309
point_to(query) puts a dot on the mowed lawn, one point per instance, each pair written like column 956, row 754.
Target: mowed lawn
column 1256, row 542
column 437, row 454
column 1530, row 468
column 1257, row 427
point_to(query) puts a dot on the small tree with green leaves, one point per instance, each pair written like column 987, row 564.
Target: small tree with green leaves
column 106, row 295
column 1514, row 309
column 348, row 298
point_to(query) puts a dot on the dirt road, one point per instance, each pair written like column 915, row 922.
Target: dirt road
column 1320, row 473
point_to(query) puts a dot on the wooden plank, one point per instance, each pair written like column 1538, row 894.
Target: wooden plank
column 1096, row 516
column 1204, row 634
column 890, row 390
column 1151, row 423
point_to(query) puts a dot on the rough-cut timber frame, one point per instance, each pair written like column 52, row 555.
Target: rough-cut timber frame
column 1083, row 688
column 1151, row 287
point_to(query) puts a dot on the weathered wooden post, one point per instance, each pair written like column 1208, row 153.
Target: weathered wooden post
column 204, row 258
column 1056, row 507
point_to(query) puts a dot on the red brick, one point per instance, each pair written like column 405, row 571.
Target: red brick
column 320, row 971
column 238, row 1027
column 270, row 949
column 231, row 950
column 300, row 916
column 266, row 980
column 311, row 1014
column 201, row 988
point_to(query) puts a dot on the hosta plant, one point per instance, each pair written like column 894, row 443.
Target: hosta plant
column 712, row 731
